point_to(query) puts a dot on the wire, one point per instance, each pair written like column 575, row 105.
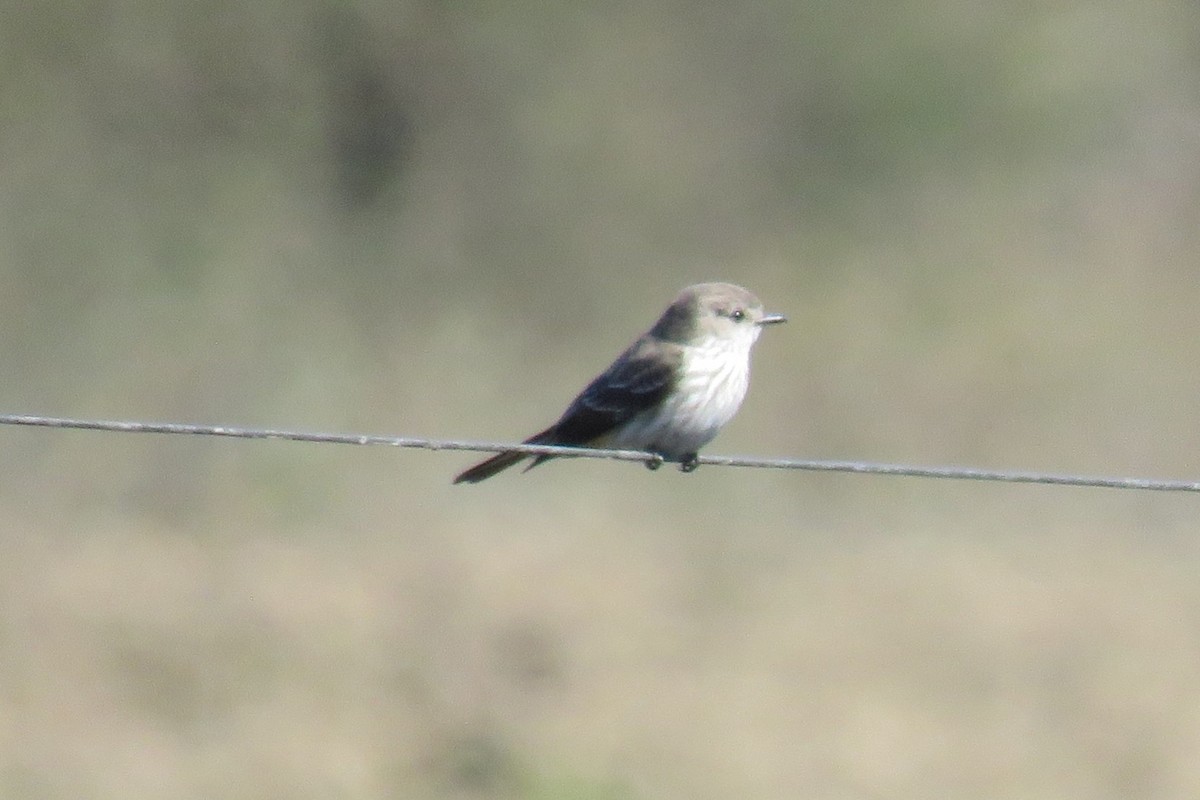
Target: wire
column 651, row 459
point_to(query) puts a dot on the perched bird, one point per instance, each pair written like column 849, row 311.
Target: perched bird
column 670, row 392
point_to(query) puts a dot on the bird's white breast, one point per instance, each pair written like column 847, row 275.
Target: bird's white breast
column 712, row 384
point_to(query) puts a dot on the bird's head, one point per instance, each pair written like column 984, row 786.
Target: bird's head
column 714, row 312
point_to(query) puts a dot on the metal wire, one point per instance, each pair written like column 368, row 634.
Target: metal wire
column 858, row 467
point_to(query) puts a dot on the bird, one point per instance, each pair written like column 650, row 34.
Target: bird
column 670, row 392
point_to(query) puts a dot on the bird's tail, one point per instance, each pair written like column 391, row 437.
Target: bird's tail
column 502, row 461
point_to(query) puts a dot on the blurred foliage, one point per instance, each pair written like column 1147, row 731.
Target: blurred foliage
column 441, row 219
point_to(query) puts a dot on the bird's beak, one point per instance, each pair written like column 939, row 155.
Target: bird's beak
column 772, row 319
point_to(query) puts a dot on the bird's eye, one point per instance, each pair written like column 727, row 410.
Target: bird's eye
column 737, row 315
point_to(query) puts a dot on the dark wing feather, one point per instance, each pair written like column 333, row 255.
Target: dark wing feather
column 636, row 381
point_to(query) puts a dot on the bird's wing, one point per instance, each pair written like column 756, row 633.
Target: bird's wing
column 636, row 381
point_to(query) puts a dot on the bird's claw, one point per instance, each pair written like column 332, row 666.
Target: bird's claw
column 654, row 462
column 689, row 463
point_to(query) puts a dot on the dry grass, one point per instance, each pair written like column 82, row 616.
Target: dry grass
column 439, row 221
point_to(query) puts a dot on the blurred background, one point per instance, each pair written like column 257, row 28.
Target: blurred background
column 440, row 220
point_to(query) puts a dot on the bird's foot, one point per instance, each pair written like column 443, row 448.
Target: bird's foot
column 654, row 462
column 689, row 463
